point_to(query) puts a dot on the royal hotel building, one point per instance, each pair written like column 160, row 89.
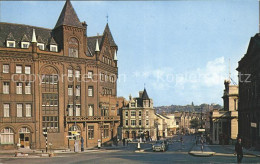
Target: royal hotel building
column 57, row 79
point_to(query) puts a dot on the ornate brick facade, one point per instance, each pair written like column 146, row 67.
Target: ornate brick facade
column 57, row 79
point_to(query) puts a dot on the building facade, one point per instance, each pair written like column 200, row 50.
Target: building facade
column 225, row 121
column 138, row 118
column 59, row 80
column 166, row 125
column 249, row 94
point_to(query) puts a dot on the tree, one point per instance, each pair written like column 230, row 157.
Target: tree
column 194, row 123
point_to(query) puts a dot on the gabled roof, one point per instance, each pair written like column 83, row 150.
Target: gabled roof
column 52, row 41
column 92, row 44
column 39, row 39
column 68, row 16
column 10, row 37
column 25, row 38
column 145, row 95
column 110, row 37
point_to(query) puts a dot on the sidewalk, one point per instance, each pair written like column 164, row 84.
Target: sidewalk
column 245, row 151
column 196, row 151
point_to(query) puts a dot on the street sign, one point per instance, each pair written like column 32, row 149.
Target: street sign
column 201, row 130
column 253, row 125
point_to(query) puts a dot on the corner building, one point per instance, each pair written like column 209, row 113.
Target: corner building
column 57, row 79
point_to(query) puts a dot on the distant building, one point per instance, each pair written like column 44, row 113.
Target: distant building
column 249, row 95
column 166, row 125
column 224, row 122
column 183, row 121
column 138, row 118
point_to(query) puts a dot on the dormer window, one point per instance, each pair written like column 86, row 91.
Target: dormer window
column 10, row 43
column 53, row 48
column 41, row 46
column 25, row 45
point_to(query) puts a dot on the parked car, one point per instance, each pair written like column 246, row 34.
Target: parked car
column 160, row 145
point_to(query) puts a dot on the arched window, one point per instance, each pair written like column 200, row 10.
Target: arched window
column 7, row 136
column 73, row 48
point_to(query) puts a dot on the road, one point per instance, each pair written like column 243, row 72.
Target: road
column 175, row 154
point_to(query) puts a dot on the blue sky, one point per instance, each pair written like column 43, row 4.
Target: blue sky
column 179, row 49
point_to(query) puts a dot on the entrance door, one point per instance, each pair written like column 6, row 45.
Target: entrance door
column 24, row 137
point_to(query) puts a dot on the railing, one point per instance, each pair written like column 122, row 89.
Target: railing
column 16, row 119
column 91, row 118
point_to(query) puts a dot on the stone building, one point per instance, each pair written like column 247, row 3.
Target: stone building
column 138, row 118
column 57, row 79
column 225, row 121
column 166, row 125
column 249, row 94
column 183, row 121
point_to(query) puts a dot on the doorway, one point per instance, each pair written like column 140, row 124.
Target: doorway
column 25, row 138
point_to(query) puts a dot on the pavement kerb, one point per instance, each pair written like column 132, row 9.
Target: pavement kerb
column 247, row 152
column 199, row 153
column 142, row 150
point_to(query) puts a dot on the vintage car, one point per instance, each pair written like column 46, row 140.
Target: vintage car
column 160, row 145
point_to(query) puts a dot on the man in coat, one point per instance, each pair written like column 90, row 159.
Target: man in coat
column 239, row 150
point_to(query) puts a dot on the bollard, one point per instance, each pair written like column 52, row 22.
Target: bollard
column 139, row 146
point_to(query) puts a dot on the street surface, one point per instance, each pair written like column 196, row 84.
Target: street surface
column 176, row 153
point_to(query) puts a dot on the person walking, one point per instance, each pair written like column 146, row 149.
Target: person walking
column 239, row 150
column 202, row 143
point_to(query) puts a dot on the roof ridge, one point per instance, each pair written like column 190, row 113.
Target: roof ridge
column 25, row 25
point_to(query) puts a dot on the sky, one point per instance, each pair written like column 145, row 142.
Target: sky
column 178, row 50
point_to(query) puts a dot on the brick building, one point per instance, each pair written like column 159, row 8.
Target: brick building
column 249, row 94
column 57, row 79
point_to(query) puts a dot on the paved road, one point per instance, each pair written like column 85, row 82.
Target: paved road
column 175, row 154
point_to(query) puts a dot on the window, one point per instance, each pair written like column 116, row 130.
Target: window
column 28, row 88
column 73, row 52
column 90, row 74
column 77, row 110
column 140, row 122
column 133, row 122
column 18, row 69
column 126, row 122
column 10, row 43
column 19, row 88
column 147, row 122
column 105, row 77
column 126, row 113
column 6, row 110
column 50, row 122
column 70, row 108
column 90, row 132
column 106, row 131
column 6, row 88
column 19, row 108
column 90, row 91
column 112, row 79
column 102, row 76
column 28, row 110
column 147, row 113
column 27, row 69
column 7, row 136
column 133, row 104
column 78, row 90
column 133, row 113
column 91, row 110
column 41, row 46
column 53, row 48
column 25, row 44
column 70, row 73
column 6, row 68
column 77, row 74
column 70, row 90
column 140, row 113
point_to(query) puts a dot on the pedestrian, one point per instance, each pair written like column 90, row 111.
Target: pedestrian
column 202, row 144
column 82, row 144
column 127, row 142
column 124, row 142
column 239, row 150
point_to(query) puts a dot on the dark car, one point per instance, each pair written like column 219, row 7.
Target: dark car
column 160, row 145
